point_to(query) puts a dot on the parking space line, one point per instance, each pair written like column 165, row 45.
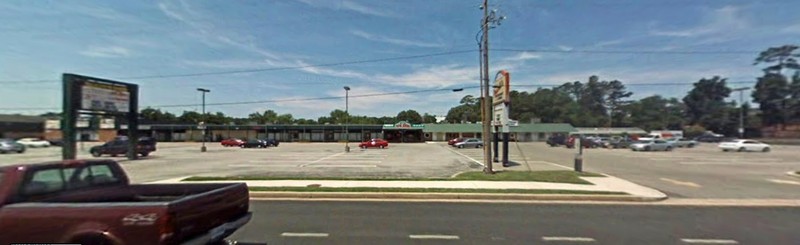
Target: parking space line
column 567, row 239
column 341, row 166
column 295, row 234
column 442, row 237
column 786, row 182
column 708, row 241
column 683, row 183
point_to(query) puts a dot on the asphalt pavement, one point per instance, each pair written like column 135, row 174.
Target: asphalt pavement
column 346, row 222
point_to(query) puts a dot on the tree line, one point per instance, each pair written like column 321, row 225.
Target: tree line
column 152, row 115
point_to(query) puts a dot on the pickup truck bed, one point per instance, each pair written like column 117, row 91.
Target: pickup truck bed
column 118, row 212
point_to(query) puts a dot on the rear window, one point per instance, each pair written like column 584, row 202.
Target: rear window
column 52, row 180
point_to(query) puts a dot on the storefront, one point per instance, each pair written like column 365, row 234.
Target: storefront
column 403, row 132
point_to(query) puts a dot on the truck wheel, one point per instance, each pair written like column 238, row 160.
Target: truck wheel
column 113, row 155
column 94, row 240
column 96, row 154
column 144, row 154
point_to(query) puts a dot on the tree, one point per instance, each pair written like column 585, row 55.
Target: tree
column 284, row 119
column 616, row 95
column 410, row 116
column 650, row 113
column 51, row 115
column 190, row 117
column 785, row 57
column 157, row 116
column 794, row 93
column 428, row 118
column 706, row 105
column 772, row 93
column 269, row 116
column 468, row 111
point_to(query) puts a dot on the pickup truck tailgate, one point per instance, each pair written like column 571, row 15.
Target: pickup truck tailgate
column 196, row 214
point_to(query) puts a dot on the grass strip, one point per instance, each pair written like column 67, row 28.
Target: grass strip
column 431, row 190
column 559, row 176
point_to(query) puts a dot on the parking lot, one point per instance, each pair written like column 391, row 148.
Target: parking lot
column 703, row 171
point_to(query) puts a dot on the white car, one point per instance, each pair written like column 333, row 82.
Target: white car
column 744, row 145
column 33, row 142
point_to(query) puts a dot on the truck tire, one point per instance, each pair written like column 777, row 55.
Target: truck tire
column 144, row 154
column 93, row 240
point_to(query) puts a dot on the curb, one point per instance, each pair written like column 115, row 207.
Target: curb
column 793, row 173
column 454, row 196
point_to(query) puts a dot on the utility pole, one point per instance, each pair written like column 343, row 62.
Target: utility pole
column 346, row 119
column 204, row 91
column 741, row 110
column 485, row 105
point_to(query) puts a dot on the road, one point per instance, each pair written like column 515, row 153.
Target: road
column 346, row 222
column 700, row 172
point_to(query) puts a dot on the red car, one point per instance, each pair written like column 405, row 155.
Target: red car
column 454, row 141
column 374, row 143
column 232, row 142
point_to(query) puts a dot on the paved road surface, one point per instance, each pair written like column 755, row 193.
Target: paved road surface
column 334, row 222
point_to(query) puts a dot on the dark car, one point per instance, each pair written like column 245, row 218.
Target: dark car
column 272, row 142
column 119, row 146
column 254, row 144
column 556, row 140
column 585, row 143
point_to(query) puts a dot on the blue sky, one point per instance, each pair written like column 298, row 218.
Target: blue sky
column 121, row 39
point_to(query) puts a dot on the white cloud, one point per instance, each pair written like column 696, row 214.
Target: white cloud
column 433, row 77
column 524, row 56
column 106, row 52
column 350, row 6
column 99, row 12
column 795, row 29
column 725, row 19
column 564, row 48
column 403, row 42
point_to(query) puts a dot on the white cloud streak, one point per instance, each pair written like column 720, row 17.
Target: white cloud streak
column 106, row 52
column 395, row 41
column 725, row 19
column 349, row 5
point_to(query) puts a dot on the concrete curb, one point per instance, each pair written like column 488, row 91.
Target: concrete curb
column 793, row 173
column 452, row 196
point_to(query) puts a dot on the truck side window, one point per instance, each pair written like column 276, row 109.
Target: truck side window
column 45, row 181
column 102, row 174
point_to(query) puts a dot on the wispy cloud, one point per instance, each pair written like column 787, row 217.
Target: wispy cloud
column 349, row 5
column 396, row 41
column 433, row 77
column 524, row 56
column 99, row 12
column 564, row 47
column 725, row 19
column 795, row 29
column 106, row 52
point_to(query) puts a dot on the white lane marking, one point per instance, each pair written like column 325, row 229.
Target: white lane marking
column 263, row 165
column 554, row 164
column 708, row 241
column 340, row 166
column 462, row 154
column 683, row 183
column 567, row 239
column 443, row 237
column 324, row 158
column 787, row 182
column 298, row 234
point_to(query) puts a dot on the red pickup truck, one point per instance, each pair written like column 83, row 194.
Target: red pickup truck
column 92, row 202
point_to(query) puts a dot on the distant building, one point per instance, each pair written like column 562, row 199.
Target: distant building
column 19, row 126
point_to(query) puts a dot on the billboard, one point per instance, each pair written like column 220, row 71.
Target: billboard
column 103, row 96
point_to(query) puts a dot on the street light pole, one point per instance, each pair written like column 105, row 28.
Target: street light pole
column 204, row 91
column 741, row 110
column 346, row 119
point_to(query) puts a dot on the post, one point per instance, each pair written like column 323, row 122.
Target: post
column 579, row 157
column 496, row 145
column 204, row 91
column 70, row 116
column 741, row 110
column 487, row 151
column 346, row 119
column 133, row 123
column 505, row 149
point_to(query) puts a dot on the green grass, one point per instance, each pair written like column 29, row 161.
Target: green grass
column 430, row 190
column 561, row 176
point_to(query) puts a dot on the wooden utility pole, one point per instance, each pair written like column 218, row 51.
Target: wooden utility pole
column 486, row 105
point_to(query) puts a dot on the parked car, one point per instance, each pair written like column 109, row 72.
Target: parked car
column 272, row 142
column 556, row 140
column 33, row 142
column 56, row 142
column 681, row 142
column 651, row 145
column 454, row 141
column 254, row 143
column 618, row 143
column 709, row 138
column 379, row 143
column 585, row 143
column 9, row 145
column 119, row 146
column 93, row 202
column 744, row 145
column 232, row 142
column 470, row 143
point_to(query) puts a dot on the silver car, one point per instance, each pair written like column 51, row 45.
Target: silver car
column 9, row 145
column 651, row 145
column 682, row 142
column 472, row 143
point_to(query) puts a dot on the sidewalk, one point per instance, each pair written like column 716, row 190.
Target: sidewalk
column 606, row 184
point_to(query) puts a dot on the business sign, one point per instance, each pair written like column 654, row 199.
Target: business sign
column 502, row 88
column 103, row 96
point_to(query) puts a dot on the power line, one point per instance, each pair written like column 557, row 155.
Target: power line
column 676, row 52
column 268, row 101
column 267, row 69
